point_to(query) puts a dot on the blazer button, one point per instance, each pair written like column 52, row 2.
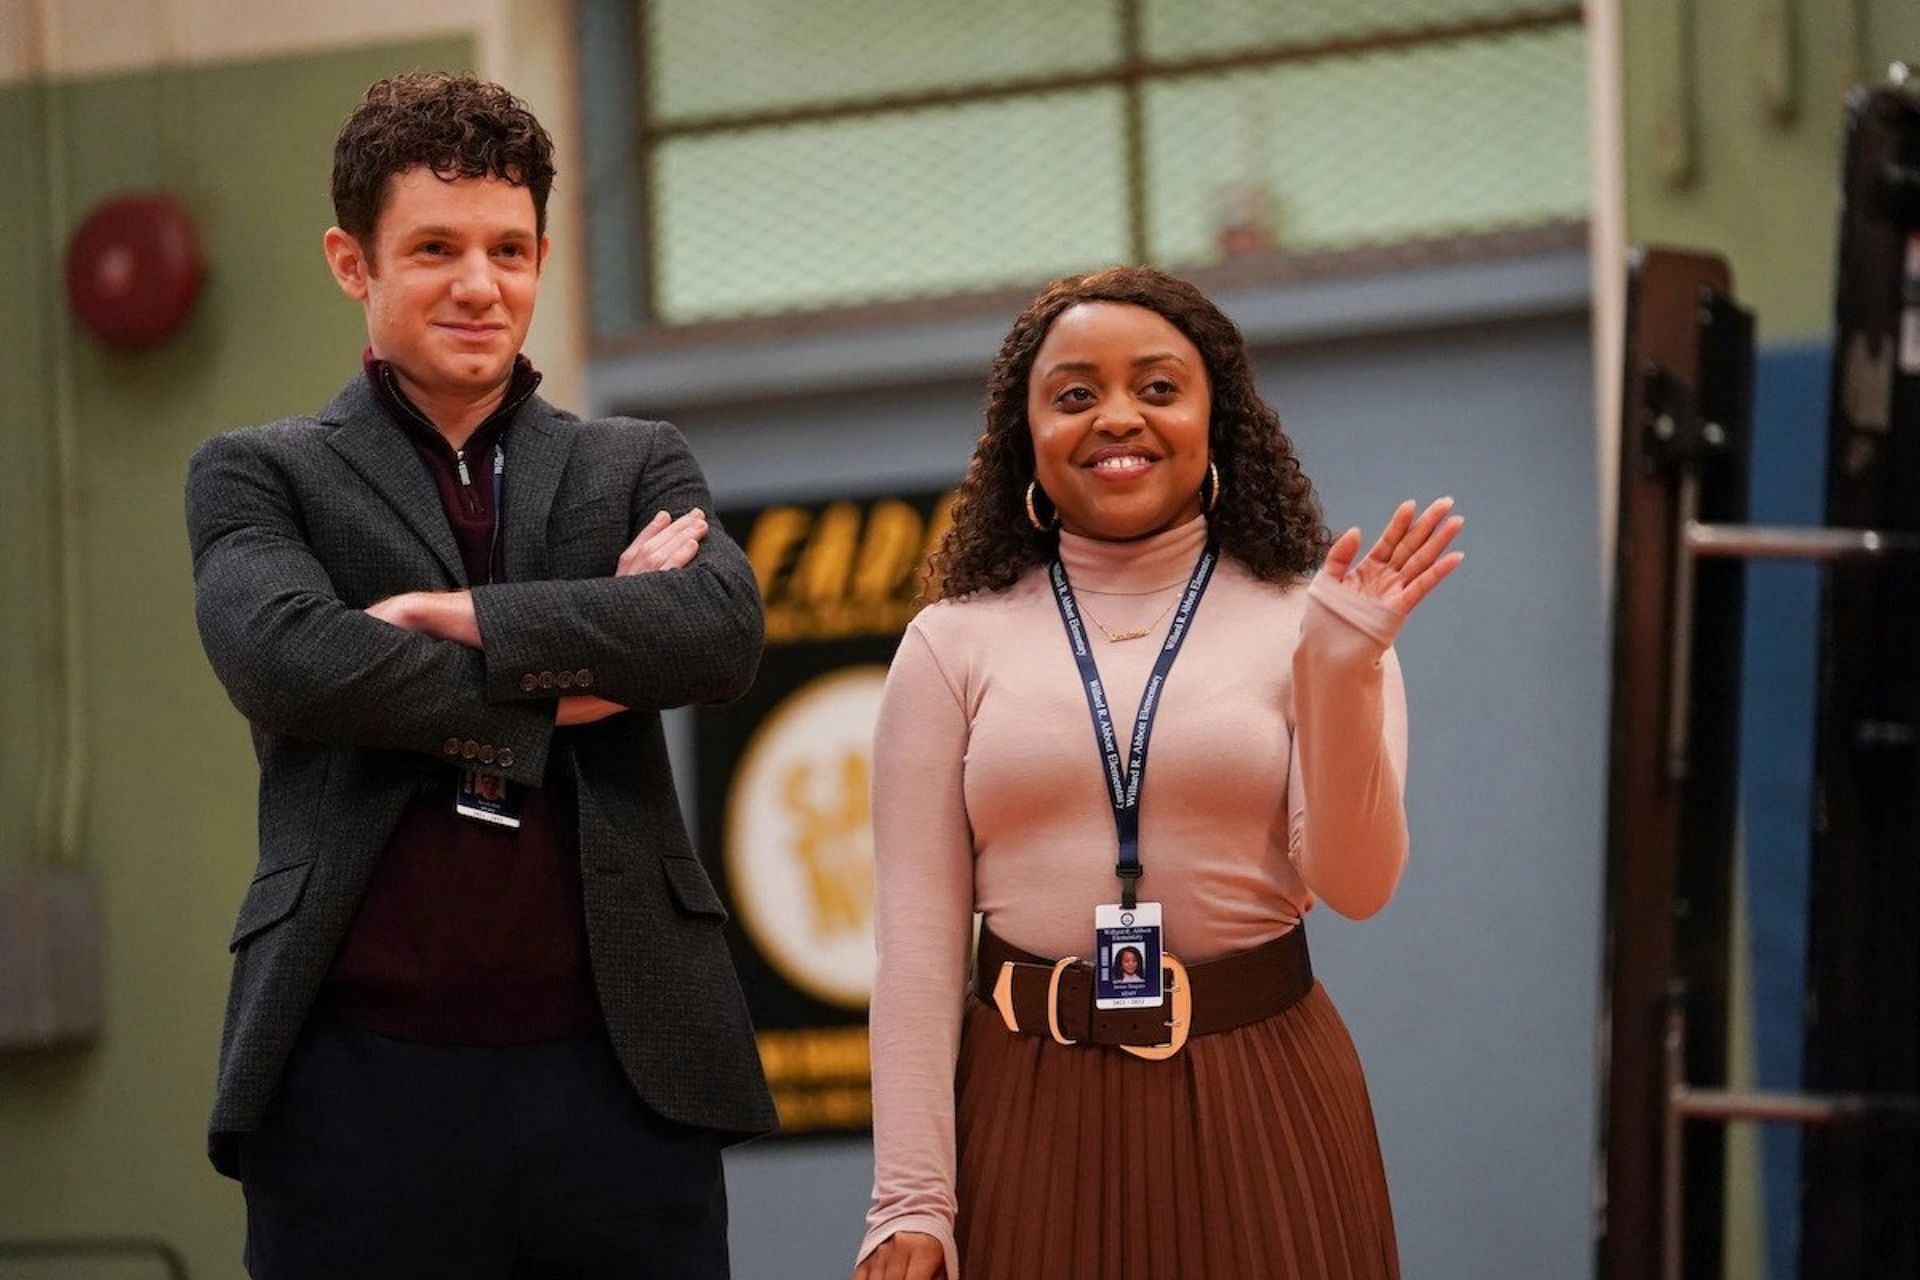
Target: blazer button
column 546, row 679
column 469, row 748
column 451, row 746
column 583, row 677
column 505, row 758
column 486, row 753
column 529, row 682
column 564, row 679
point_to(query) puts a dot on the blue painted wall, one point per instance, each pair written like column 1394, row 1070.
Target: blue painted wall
column 1776, row 752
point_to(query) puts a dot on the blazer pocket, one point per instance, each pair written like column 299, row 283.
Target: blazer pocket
column 271, row 898
column 692, row 890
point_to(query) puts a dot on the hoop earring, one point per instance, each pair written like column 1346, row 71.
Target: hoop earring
column 1033, row 515
column 1210, row 488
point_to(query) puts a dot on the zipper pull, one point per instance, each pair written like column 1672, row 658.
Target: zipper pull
column 460, row 460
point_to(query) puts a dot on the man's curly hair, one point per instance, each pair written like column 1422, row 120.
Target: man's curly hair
column 457, row 126
column 1266, row 515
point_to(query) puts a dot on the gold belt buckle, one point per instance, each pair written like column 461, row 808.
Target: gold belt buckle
column 1180, row 994
column 1003, row 998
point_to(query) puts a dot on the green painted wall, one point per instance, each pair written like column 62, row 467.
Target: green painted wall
column 109, row 1140
column 1764, row 193
column 25, row 409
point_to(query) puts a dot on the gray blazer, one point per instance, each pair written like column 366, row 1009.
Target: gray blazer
column 295, row 527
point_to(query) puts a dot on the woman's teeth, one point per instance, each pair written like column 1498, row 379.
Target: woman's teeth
column 1130, row 462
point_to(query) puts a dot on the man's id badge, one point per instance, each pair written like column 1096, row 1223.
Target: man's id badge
column 1126, row 957
column 486, row 798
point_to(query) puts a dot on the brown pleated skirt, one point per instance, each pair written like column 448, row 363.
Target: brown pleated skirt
column 1252, row 1153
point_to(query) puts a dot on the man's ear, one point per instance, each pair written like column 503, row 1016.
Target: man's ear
column 541, row 263
column 348, row 262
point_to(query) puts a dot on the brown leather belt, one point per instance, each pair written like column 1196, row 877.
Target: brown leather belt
column 1055, row 998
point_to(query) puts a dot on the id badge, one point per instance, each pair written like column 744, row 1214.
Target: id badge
column 1126, row 957
column 486, row 797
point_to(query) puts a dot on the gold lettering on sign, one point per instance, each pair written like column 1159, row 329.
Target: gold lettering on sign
column 890, row 552
column 938, row 526
column 819, row 1077
column 775, row 534
column 833, row 839
column 821, row 576
column 811, row 1055
column 851, row 570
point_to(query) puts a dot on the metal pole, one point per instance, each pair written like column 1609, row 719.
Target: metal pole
column 1680, row 694
column 1672, row 1131
column 1813, row 1110
column 1772, row 542
column 1699, row 540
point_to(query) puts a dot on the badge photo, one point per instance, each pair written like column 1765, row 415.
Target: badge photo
column 486, row 797
column 1126, row 957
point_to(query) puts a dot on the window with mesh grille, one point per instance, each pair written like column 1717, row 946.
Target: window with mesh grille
column 793, row 157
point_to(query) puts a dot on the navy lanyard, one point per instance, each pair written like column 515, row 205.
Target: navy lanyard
column 499, row 485
column 1124, row 792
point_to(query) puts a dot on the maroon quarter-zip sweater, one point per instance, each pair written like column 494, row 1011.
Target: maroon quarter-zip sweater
column 470, row 933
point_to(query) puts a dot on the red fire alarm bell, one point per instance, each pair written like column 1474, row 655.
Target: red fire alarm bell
column 134, row 269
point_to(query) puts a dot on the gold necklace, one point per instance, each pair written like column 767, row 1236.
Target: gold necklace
column 1118, row 636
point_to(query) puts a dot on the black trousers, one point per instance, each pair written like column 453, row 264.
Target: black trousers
column 381, row 1159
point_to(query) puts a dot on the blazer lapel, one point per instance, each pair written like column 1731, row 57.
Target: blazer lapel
column 378, row 448
column 537, row 447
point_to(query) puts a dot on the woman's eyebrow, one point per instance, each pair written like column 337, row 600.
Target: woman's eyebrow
column 1139, row 362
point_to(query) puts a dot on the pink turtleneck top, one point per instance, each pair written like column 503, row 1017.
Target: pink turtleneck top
column 1275, row 780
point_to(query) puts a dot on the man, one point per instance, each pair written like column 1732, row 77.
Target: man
column 483, row 1022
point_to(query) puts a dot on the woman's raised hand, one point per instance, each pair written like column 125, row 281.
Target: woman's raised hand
column 1409, row 560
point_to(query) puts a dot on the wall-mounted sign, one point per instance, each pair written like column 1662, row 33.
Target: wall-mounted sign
column 783, row 784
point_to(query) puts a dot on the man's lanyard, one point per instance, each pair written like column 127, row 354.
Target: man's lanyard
column 479, row 796
column 499, row 487
column 1124, row 792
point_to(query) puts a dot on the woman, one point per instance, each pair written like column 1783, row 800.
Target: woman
column 1130, row 476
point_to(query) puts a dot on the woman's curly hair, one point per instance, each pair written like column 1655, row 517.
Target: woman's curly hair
column 457, row 126
column 1265, row 515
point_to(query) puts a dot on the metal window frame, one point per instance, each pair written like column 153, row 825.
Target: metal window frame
column 631, row 211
